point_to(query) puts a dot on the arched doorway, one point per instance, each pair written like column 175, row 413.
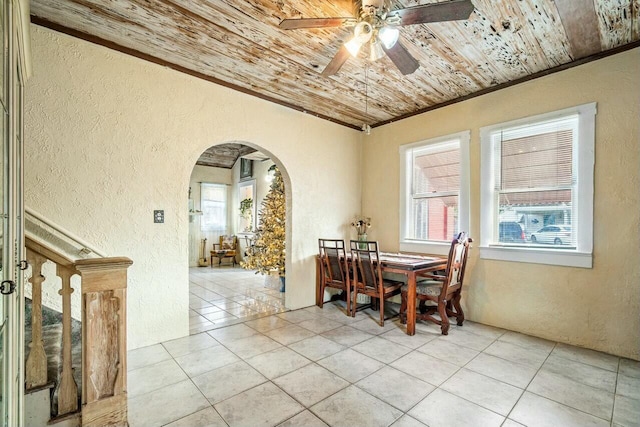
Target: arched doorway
column 227, row 186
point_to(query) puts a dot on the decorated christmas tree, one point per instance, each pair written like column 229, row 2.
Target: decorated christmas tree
column 268, row 253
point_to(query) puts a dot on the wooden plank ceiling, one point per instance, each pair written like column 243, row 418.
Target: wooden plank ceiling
column 238, row 43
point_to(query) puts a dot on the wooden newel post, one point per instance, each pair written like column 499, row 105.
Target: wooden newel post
column 104, row 341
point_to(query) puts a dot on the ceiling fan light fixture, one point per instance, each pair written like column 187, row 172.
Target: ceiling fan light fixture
column 376, row 50
column 353, row 46
column 388, row 36
column 361, row 34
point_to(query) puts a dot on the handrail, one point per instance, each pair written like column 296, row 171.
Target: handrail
column 103, row 292
column 65, row 232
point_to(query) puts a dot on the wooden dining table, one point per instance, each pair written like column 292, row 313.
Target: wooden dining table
column 408, row 265
column 411, row 266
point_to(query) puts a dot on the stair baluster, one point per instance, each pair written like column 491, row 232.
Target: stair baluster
column 36, row 365
column 67, row 389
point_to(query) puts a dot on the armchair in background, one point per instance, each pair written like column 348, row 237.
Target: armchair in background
column 227, row 248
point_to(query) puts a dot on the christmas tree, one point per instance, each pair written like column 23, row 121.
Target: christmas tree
column 268, row 253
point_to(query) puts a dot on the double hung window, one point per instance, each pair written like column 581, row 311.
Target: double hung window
column 537, row 188
column 213, row 203
column 434, row 203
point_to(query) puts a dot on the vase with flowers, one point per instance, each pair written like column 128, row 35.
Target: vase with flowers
column 361, row 224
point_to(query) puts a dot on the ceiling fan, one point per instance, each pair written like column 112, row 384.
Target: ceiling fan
column 377, row 24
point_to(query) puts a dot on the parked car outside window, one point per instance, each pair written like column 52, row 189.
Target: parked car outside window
column 511, row 232
column 553, row 234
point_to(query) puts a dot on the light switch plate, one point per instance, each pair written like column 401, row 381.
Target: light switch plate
column 158, row 216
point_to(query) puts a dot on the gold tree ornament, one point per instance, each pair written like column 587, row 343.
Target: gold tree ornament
column 268, row 252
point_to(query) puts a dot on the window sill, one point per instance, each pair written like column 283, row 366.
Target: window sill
column 538, row 256
column 430, row 248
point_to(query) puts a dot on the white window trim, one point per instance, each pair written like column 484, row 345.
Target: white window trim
column 223, row 230
column 433, row 247
column 582, row 256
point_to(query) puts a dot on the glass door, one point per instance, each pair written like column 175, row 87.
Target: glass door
column 3, row 223
column 11, row 218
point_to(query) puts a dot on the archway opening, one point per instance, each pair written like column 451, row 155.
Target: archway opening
column 229, row 192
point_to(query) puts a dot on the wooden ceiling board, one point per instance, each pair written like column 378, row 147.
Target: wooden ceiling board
column 238, row 43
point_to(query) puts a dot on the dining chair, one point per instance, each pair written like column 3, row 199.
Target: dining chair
column 442, row 289
column 334, row 271
column 367, row 276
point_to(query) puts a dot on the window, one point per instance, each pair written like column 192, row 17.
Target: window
column 537, row 188
column 213, row 203
column 434, row 203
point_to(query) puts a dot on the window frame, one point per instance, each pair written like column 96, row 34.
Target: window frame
column 406, row 182
column 584, row 160
column 225, row 209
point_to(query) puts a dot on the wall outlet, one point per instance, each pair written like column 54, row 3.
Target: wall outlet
column 158, row 216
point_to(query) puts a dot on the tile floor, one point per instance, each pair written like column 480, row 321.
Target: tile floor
column 318, row 367
column 223, row 296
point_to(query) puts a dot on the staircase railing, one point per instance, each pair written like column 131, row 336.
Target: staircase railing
column 103, row 284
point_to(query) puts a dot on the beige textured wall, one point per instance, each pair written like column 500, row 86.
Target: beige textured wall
column 110, row 138
column 596, row 308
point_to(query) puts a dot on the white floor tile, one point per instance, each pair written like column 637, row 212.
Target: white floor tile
column 395, row 387
column 262, row 406
column 569, row 392
column 427, row 368
column 443, row 409
column 341, row 409
column 310, row 384
column 223, row 383
column 590, row 357
column 152, row 377
column 536, row 411
column 351, row 365
column 208, row 417
column 165, row 405
column 278, row 362
column 484, row 391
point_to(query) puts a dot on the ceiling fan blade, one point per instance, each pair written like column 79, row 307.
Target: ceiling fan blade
column 434, row 12
column 337, row 62
column 399, row 55
column 294, row 24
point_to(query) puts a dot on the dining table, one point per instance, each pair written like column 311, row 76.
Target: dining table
column 409, row 265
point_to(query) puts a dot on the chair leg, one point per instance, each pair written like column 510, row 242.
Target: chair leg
column 423, row 306
column 354, row 302
column 442, row 310
column 403, row 308
column 348, row 291
column 321, row 300
column 381, row 308
column 459, row 312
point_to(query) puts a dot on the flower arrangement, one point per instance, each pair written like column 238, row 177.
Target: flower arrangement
column 361, row 224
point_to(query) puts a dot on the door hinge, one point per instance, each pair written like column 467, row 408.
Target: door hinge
column 4, row 290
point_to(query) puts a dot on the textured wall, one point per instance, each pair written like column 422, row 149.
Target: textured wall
column 110, row 138
column 597, row 308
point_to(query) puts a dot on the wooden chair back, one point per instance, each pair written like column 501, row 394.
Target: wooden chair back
column 367, row 272
column 333, row 260
column 456, row 264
